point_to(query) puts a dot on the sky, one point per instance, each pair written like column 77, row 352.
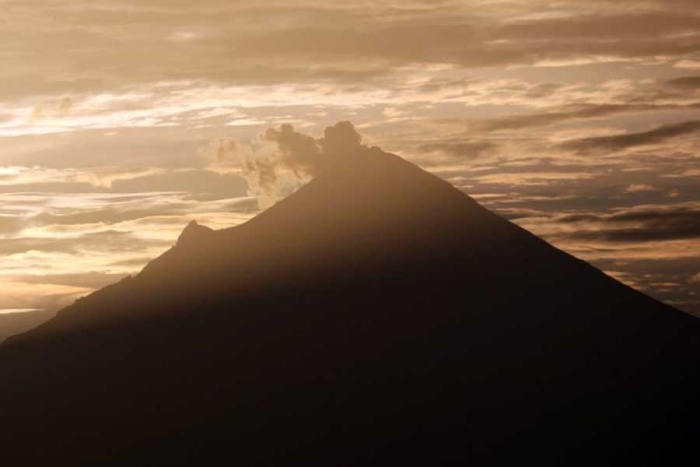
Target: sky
column 122, row 120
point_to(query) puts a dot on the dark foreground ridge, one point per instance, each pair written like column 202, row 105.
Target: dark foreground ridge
column 376, row 316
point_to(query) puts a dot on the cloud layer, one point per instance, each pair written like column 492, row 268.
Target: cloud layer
column 121, row 120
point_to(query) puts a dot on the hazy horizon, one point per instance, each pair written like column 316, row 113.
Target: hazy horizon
column 121, row 121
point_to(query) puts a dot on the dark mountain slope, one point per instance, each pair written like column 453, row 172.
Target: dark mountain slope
column 378, row 315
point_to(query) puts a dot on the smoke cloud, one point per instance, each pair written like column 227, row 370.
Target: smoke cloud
column 284, row 159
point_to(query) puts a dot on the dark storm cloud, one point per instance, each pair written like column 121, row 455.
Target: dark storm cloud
column 637, row 226
column 564, row 115
column 639, row 234
column 460, row 149
column 513, row 214
column 629, row 140
column 686, row 82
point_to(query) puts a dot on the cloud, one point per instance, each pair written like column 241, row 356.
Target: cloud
column 107, row 241
column 686, row 82
column 460, row 90
column 462, row 149
column 102, row 177
column 285, row 158
column 566, row 114
column 629, row 140
column 61, row 108
column 10, row 224
column 521, row 179
column 221, row 148
column 688, row 64
column 316, row 41
column 88, row 280
column 613, row 26
column 636, row 225
column 640, row 188
column 22, row 295
column 107, row 216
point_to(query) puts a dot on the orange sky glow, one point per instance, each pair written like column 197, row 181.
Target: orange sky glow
column 122, row 120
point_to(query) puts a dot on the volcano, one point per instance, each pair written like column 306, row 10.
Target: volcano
column 376, row 316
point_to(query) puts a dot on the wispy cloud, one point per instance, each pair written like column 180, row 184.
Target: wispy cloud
column 120, row 121
column 629, row 140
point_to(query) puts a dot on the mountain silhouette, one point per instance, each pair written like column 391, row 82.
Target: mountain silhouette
column 376, row 316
